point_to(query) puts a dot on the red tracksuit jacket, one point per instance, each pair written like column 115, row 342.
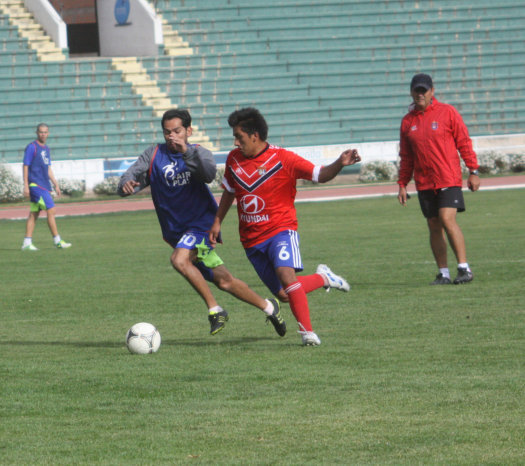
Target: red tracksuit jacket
column 429, row 145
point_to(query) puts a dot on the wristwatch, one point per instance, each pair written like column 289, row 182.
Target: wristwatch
column 474, row 172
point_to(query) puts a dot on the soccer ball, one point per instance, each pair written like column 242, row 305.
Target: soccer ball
column 143, row 338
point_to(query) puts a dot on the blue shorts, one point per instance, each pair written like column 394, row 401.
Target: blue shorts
column 207, row 257
column 281, row 250
column 40, row 199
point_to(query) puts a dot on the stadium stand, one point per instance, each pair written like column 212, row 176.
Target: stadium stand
column 321, row 72
column 338, row 71
column 91, row 110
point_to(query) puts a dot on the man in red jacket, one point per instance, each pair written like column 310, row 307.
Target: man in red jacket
column 431, row 135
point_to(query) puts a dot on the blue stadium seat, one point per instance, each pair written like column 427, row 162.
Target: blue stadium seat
column 326, row 72
column 316, row 62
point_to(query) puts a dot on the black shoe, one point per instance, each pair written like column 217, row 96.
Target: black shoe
column 441, row 280
column 276, row 319
column 464, row 276
column 217, row 321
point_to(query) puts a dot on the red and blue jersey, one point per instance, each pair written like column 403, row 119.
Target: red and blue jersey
column 37, row 157
column 265, row 189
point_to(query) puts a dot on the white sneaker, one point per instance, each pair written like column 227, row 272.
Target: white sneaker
column 29, row 247
column 62, row 245
column 334, row 281
column 309, row 338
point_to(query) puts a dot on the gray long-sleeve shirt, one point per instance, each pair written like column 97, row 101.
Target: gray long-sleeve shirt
column 198, row 159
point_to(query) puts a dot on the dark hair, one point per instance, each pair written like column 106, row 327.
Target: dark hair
column 40, row 125
column 250, row 120
column 181, row 113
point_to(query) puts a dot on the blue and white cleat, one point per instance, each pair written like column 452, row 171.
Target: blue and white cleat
column 334, row 281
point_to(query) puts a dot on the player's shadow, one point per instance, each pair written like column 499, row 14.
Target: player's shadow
column 197, row 342
column 215, row 341
column 79, row 344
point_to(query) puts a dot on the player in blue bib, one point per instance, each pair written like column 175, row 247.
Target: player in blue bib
column 177, row 173
column 38, row 176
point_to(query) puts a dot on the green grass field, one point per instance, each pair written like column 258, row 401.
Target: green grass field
column 406, row 373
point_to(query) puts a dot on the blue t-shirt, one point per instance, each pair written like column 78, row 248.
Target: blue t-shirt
column 38, row 159
column 182, row 202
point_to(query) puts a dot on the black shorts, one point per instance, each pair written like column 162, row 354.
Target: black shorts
column 433, row 200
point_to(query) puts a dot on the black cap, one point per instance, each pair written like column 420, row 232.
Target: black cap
column 421, row 80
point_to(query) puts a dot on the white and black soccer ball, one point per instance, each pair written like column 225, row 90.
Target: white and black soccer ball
column 143, row 338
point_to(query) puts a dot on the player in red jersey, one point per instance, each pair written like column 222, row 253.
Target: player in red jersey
column 262, row 178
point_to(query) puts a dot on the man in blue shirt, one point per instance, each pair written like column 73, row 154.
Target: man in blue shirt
column 177, row 173
column 38, row 176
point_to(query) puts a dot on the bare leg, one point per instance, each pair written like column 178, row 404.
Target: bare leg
column 455, row 235
column 227, row 282
column 51, row 222
column 181, row 259
column 438, row 243
column 30, row 224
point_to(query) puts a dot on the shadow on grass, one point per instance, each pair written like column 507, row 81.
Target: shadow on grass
column 213, row 341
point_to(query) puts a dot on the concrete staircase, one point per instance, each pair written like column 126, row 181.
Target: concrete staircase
column 173, row 43
column 143, row 85
column 29, row 29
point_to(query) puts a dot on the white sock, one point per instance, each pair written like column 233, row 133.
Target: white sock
column 56, row 239
column 464, row 265
column 214, row 310
column 445, row 272
column 269, row 308
column 27, row 241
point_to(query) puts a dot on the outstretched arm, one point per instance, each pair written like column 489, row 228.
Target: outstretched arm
column 136, row 177
column 329, row 172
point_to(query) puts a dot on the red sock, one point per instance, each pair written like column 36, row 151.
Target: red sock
column 311, row 282
column 299, row 305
